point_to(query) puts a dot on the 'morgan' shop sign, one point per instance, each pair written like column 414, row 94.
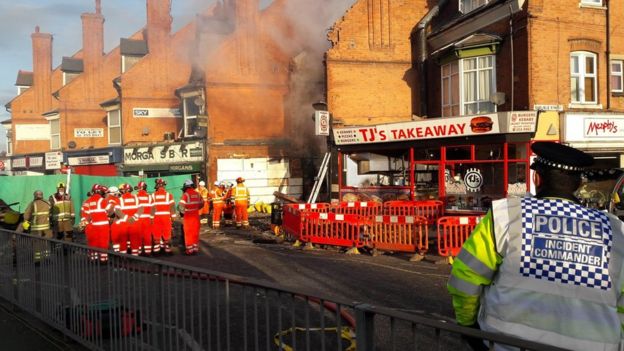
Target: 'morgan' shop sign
column 172, row 153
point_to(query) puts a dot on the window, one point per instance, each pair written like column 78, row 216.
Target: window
column 591, row 2
column 55, row 134
column 21, row 89
column 191, row 111
column 127, row 61
column 69, row 76
column 617, row 76
column 9, row 142
column 466, row 6
column 467, row 85
column 114, row 127
column 583, row 77
column 450, row 89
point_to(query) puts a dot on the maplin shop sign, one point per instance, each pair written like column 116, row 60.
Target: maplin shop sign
column 174, row 153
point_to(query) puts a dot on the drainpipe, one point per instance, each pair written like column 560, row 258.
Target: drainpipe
column 421, row 42
column 607, row 54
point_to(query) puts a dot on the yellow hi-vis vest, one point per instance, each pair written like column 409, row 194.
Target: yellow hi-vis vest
column 40, row 216
column 560, row 281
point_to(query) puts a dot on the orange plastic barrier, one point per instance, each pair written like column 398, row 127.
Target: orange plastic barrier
column 332, row 229
column 430, row 209
column 453, row 232
column 399, row 233
column 369, row 208
column 292, row 220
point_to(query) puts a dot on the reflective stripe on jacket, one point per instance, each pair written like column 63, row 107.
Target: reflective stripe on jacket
column 162, row 201
column 240, row 193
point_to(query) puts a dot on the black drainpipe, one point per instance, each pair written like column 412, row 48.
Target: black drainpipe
column 421, row 41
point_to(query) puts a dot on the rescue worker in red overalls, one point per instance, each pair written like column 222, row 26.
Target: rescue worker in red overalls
column 240, row 193
column 130, row 231
column 217, row 195
column 117, row 217
column 189, row 206
column 164, row 213
column 144, row 218
column 97, row 229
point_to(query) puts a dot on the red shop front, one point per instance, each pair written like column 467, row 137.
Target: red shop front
column 437, row 159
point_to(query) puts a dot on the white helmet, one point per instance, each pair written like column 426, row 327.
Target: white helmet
column 113, row 189
column 202, row 183
column 216, row 183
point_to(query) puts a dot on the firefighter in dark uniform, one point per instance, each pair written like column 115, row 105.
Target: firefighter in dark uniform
column 37, row 216
column 62, row 214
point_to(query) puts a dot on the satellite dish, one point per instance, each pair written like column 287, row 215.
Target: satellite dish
column 71, row 144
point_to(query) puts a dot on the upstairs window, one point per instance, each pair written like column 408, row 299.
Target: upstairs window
column 69, row 76
column 9, row 142
column 617, row 76
column 450, row 89
column 127, row 61
column 466, row 6
column 591, row 2
column 467, row 86
column 583, row 78
column 55, row 134
column 191, row 111
column 114, row 127
column 21, row 89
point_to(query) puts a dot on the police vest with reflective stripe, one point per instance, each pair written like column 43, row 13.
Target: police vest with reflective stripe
column 560, row 281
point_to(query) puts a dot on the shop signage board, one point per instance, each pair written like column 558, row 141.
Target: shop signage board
column 172, row 153
column 88, row 160
column 88, row 132
column 18, row 162
column 32, row 132
column 594, row 127
column 35, row 161
column 53, row 160
column 149, row 112
column 521, row 121
column 321, row 123
column 433, row 128
column 182, row 168
column 538, row 107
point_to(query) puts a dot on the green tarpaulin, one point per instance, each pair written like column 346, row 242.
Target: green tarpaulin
column 20, row 189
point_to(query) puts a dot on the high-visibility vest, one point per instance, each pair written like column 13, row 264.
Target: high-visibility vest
column 96, row 210
column 114, row 203
column 217, row 195
column 40, row 216
column 129, row 204
column 240, row 193
column 162, row 201
column 560, row 261
column 191, row 201
column 144, row 201
column 62, row 209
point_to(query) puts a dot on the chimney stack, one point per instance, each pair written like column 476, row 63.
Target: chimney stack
column 42, row 70
column 93, row 38
column 158, row 25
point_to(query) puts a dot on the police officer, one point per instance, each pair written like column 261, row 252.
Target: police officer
column 62, row 214
column 545, row 268
column 37, row 216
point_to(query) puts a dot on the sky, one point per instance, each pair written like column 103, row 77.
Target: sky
column 61, row 18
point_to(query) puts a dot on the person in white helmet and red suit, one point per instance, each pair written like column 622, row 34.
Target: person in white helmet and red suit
column 189, row 206
column 95, row 221
column 164, row 213
column 144, row 220
column 129, row 231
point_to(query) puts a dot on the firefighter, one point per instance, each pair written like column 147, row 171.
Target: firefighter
column 544, row 268
column 37, row 216
column 240, row 193
column 62, row 214
column 164, row 213
column 189, row 206
column 97, row 228
column 228, row 206
column 217, row 195
column 130, row 232
column 144, row 218
column 205, row 210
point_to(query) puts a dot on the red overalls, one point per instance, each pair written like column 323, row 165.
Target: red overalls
column 191, row 201
column 118, row 225
column 163, row 214
column 130, row 231
column 98, row 229
column 145, row 221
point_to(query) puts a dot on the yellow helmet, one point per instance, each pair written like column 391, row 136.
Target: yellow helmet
column 60, row 185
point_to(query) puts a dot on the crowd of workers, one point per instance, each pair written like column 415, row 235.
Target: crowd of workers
column 138, row 223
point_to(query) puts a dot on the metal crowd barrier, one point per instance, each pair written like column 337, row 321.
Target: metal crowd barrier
column 134, row 303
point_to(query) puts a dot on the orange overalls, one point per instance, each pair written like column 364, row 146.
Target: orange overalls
column 98, row 229
column 218, row 203
column 163, row 211
column 145, row 221
column 118, row 223
column 130, row 231
column 190, row 203
column 228, row 208
column 205, row 210
column 241, row 202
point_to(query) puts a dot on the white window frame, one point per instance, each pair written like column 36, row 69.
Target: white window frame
column 447, row 85
column 108, row 122
column 21, row 89
column 462, row 93
column 123, row 62
column 186, row 117
column 9, row 142
column 596, row 3
column 65, row 75
column 581, row 75
column 619, row 75
column 467, row 6
column 55, row 135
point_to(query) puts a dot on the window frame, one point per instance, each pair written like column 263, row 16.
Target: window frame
column 53, row 135
column 109, row 126
column 449, row 87
column 462, row 96
column 593, row 3
column 474, row 4
column 582, row 75
column 9, row 142
column 620, row 75
column 186, row 117
column 123, row 62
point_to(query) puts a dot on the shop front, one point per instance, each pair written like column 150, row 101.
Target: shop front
column 28, row 165
column 466, row 162
column 600, row 134
column 96, row 162
column 158, row 160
